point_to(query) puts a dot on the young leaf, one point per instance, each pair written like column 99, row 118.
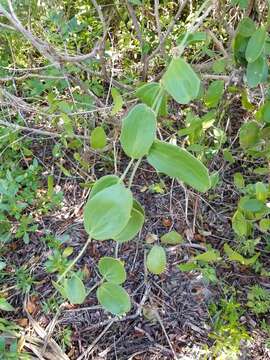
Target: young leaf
column 180, row 81
column 5, row 306
column 113, row 298
column 112, row 270
column 75, row 290
column 156, row 260
column 117, row 101
column 172, row 238
column 138, row 131
column 103, row 183
column 255, row 45
column 178, row 163
column 235, row 256
column 98, row 138
column 108, row 212
column 147, row 94
column 214, row 93
column 209, row 256
column 240, row 224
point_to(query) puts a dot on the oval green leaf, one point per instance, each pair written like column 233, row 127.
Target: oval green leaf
column 181, row 82
column 98, row 138
column 172, row 238
column 108, row 212
column 103, row 183
column 75, row 290
column 112, row 270
column 249, row 134
column 138, row 131
column 179, row 163
column 257, row 72
column 246, row 27
column 255, row 45
column 214, row 93
column 132, row 228
column 156, row 260
column 113, row 298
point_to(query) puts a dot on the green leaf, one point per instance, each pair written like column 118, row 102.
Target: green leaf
column 261, row 191
column 2, row 265
column 214, row 93
column 235, row 256
column 246, row 27
column 103, row 183
column 228, row 156
column 113, row 298
column 108, row 212
column 75, row 290
column 5, row 306
column 187, row 266
column 112, row 270
column 147, row 94
column 252, row 205
column 178, row 163
column 138, row 131
column 132, row 228
column 117, row 101
column 249, row 134
column 209, row 256
column 181, row 82
column 239, row 180
column 172, row 238
column 239, row 224
column 98, row 138
column 265, row 112
column 264, row 225
column 255, row 45
column 156, row 260
column 257, row 72
column 239, row 49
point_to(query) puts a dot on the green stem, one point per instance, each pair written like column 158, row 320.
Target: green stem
column 134, row 172
column 77, row 258
column 127, row 169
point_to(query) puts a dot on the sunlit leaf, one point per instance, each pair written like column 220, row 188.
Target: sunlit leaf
column 117, row 101
column 209, row 256
column 103, row 183
column 235, row 256
column 98, row 138
column 156, row 260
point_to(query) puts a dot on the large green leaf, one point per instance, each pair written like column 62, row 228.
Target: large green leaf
column 179, row 163
column 147, row 94
column 256, row 45
column 112, row 270
column 108, row 212
column 138, row 131
column 246, row 27
column 103, row 183
column 113, row 298
column 180, row 81
column 75, row 290
column 133, row 226
column 156, row 260
column 257, row 72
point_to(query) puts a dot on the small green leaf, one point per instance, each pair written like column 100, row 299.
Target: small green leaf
column 255, row 45
column 246, row 27
column 180, row 81
column 156, row 260
column 228, row 156
column 179, row 163
column 209, row 256
column 117, row 101
column 138, row 131
column 113, row 298
column 103, row 183
column 187, row 266
column 249, row 134
column 257, row 72
column 147, row 94
column 98, row 138
column 264, row 225
column 112, row 270
column 235, row 256
column 68, row 251
column 5, row 306
column 214, row 93
column 239, row 180
column 240, row 224
column 75, row 290
column 261, row 191
column 172, row 238
column 108, row 212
